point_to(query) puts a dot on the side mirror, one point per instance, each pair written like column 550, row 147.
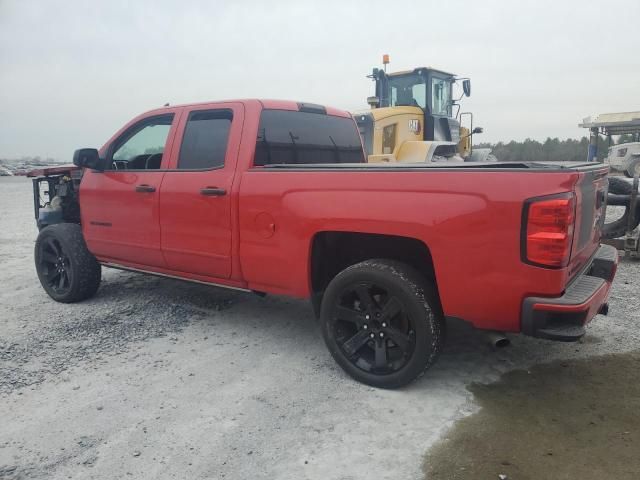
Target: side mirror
column 477, row 130
column 374, row 102
column 88, row 158
column 466, row 87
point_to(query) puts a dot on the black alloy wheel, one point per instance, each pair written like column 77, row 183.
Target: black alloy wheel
column 68, row 272
column 382, row 322
column 372, row 328
column 55, row 266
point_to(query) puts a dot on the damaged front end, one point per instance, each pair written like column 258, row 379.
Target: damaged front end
column 55, row 195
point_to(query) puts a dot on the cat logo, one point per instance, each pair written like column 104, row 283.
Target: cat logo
column 414, row 126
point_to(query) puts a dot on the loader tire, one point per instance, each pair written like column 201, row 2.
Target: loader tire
column 618, row 227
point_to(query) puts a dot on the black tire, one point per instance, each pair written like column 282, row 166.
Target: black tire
column 382, row 323
column 620, row 186
column 67, row 271
column 618, row 227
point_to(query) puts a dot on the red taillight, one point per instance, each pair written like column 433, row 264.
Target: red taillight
column 548, row 230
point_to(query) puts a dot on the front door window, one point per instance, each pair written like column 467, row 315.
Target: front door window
column 142, row 147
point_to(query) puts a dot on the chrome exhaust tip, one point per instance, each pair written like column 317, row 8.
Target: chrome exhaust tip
column 497, row 339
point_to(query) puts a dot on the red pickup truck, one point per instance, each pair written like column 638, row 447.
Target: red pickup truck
column 276, row 197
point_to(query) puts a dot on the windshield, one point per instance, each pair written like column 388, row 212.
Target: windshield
column 408, row 90
column 411, row 90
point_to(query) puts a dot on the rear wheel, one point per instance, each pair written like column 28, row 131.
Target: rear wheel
column 381, row 323
column 67, row 271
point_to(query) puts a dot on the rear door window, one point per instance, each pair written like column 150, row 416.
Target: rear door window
column 204, row 143
column 291, row 137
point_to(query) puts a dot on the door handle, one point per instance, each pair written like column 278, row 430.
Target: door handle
column 213, row 191
column 144, row 188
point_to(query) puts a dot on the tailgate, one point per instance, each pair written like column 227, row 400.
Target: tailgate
column 591, row 193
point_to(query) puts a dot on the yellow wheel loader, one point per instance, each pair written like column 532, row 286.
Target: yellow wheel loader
column 411, row 118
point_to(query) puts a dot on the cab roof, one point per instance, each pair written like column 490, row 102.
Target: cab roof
column 266, row 104
column 614, row 123
column 431, row 69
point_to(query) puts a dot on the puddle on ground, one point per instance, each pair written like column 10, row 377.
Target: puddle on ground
column 577, row 419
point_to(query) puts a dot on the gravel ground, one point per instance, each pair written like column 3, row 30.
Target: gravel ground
column 155, row 378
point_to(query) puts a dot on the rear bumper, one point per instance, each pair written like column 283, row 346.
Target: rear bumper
column 564, row 318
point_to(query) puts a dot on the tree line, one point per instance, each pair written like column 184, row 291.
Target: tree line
column 552, row 149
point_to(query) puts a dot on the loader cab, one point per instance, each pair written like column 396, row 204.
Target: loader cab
column 425, row 88
column 409, row 106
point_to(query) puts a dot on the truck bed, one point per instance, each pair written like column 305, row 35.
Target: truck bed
column 469, row 215
column 494, row 166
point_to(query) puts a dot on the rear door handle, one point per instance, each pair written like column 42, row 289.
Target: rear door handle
column 144, row 188
column 213, row 191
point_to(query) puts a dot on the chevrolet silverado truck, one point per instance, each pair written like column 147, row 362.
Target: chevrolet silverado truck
column 276, row 197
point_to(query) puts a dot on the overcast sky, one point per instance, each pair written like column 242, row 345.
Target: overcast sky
column 72, row 72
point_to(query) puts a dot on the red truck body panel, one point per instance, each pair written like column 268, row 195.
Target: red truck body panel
column 259, row 235
column 470, row 222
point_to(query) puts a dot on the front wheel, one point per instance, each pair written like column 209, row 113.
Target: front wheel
column 381, row 323
column 67, row 271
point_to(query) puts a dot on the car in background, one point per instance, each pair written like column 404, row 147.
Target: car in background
column 625, row 158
